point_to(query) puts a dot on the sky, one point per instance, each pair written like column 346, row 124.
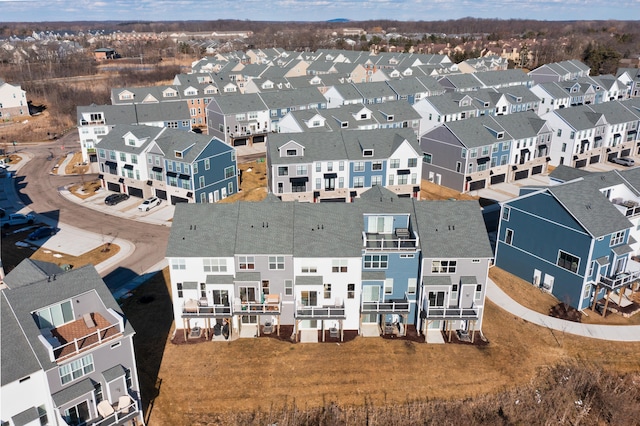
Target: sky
column 313, row 10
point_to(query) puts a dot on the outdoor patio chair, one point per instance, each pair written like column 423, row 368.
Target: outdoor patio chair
column 105, row 409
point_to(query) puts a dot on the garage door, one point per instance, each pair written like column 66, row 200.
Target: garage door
column 115, row 187
column 594, row 159
column 162, row 194
column 498, row 179
column 258, row 139
column 625, row 152
column 611, row 156
column 333, row 200
column 479, row 184
column 176, row 200
column 522, row 174
column 581, row 163
column 135, row 192
column 240, row 142
column 536, row 170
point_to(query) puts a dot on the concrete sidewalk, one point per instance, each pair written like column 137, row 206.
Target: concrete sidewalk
column 618, row 333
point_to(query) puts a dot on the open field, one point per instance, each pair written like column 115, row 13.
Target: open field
column 254, row 183
column 199, row 383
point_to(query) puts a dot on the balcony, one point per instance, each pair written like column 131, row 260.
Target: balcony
column 91, row 123
column 80, row 335
column 201, row 309
column 320, row 312
column 620, row 280
column 124, row 410
column 443, row 313
column 271, row 306
column 400, row 240
column 629, row 208
column 386, row 307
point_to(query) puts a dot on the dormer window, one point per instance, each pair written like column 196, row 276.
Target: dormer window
column 500, row 135
column 131, row 142
column 178, row 154
column 486, row 104
column 367, row 153
column 292, row 152
column 344, row 124
column 390, row 118
column 363, row 116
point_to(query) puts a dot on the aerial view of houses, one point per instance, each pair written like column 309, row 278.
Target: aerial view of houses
column 321, row 224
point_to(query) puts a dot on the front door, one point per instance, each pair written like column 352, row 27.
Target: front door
column 466, row 297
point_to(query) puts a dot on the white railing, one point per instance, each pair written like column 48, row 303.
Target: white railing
column 391, row 306
column 320, row 312
column 82, row 343
column 620, row 279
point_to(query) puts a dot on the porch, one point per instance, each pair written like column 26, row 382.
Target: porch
column 335, row 315
column 122, row 412
column 402, row 239
column 618, row 285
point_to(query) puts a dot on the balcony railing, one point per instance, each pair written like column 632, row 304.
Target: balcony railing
column 58, row 350
column 440, row 312
column 320, row 312
column 120, row 415
column 389, row 242
column 194, row 308
column 271, row 305
column 386, row 307
column 630, row 208
column 620, row 280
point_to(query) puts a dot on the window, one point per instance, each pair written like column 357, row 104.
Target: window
column 454, row 292
column 301, row 170
column 207, row 164
column 568, row 261
column 388, row 286
column 276, row 262
column 309, row 298
column 178, row 264
column 485, row 151
column 390, row 179
column 288, row 287
column 179, row 288
column 587, row 291
column 376, row 261
column 339, row 265
column 42, row 413
column 403, row 179
column 358, row 182
column 367, row 153
column 508, row 236
column 318, row 183
column 229, row 172
column 123, row 156
column 246, row 262
column 292, row 152
column 77, row 415
column 412, row 162
column 506, row 212
column 376, row 165
column 617, row 238
column 309, row 269
column 376, row 180
column 341, row 166
column 265, row 287
column 478, row 295
column 443, row 266
column 283, row 171
column 247, row 294
column 426, row 158
column 412, row 285
column 214, row 265
column 559, row 132
column 358, row 166
column 56, row 315
column 201, row 182
column 341, row 182
column 327, row 291
column 394, row 163
column 564, row 147
column 76, row 369
column 351, row 291
column 330, row 166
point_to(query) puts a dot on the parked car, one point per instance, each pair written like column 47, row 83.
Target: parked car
column 149, row 203
column 15, row 219
column 114, row 199
column 45, row 231
column 624, row 161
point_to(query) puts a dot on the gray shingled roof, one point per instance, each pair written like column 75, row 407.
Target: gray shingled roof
column 566, row 173
column 590, row 207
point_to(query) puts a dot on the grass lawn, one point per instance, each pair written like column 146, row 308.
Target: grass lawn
column 198, row 383
column 254, row 183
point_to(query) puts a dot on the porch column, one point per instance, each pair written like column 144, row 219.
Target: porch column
column 606, row 303
column 406, row 322
column 595, row 300
column 620, row 299
column 278, row 326
column 185, row 325
column 322, row 329
column 473, row 330
column 449, row 329
column 341, row 331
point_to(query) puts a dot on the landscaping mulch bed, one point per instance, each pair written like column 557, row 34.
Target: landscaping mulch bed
column 565, row 312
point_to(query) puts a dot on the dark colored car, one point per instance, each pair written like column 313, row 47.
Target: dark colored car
column 114, row 199
column 45, row 231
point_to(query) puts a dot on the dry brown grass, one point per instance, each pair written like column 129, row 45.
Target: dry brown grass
column 75, row 166
column 254, row 183
column 86, row 189
column 195, row 382
column 93, row 257
column 431, row 191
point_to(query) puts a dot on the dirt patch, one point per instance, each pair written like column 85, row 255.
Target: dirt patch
column 431, row 191
column 76, row 166
column 86, row 189
column 253, row 183
column 565, row 312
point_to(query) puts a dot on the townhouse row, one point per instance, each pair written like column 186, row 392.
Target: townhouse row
column 382, row 264
column 577, row 239
column 173, row 165
column 67, row 350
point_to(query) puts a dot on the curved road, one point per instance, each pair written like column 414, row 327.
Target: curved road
column 39, row 191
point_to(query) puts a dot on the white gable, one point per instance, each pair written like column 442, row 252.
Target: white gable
column 291, row 149
column 149, row 99
column 169, row 92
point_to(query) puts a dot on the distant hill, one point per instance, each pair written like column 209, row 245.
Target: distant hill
column 338, row 20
